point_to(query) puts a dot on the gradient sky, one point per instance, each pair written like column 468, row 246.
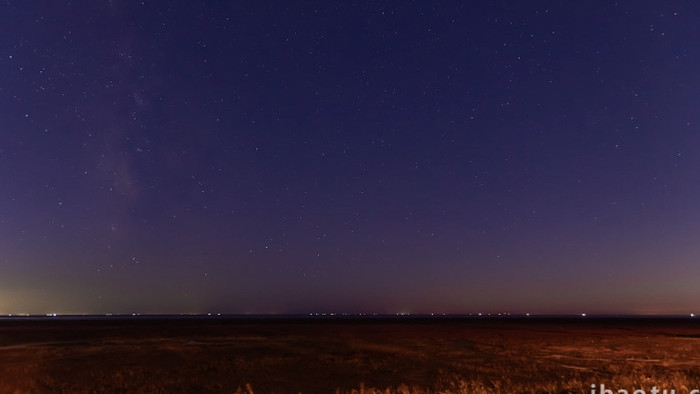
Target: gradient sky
column 337, row 156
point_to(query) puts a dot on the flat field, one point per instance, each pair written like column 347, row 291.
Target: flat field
column 450, row 355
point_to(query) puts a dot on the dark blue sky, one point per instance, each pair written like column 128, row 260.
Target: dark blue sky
column 293, row 157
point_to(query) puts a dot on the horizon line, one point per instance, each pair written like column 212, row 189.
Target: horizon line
column 321, row 315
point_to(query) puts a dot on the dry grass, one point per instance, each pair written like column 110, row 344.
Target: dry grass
column 387, row 357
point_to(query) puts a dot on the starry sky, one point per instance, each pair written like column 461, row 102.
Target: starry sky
column 349, row 157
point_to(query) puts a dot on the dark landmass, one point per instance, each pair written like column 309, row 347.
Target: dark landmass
column 342, row 354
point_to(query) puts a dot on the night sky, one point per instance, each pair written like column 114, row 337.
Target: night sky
column 349, row 157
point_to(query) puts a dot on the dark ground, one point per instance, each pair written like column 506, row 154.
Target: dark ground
column 325, row 355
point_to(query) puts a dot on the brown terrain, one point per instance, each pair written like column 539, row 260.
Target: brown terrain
column 533, row 355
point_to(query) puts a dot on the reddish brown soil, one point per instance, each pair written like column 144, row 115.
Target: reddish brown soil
column 322, row 356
